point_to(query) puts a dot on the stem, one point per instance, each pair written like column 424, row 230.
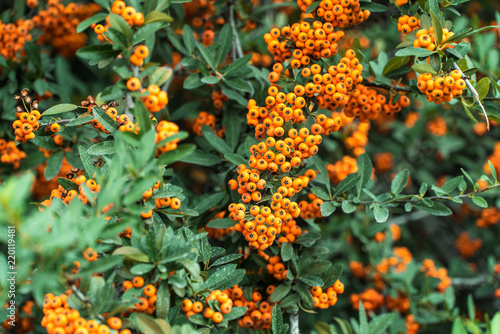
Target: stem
column 468, row 282
column 444, row 198
column 474, row 94
column 237, row 51
column 383, row 86
column 294, row 324
column 495, row 99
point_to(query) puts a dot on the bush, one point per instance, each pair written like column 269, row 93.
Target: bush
column 235, row 166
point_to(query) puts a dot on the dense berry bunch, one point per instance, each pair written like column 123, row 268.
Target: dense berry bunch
column 60, row 318
column 325, row 298
column 13, row 36
column 205, row 118
column 156, row 100
column 343, row 14
column 58, row 23
column 27, row 117
column 467, row 246
column 430, row 270
column 341, row 168
column 10, row 154
column 128, row 13
column 437, row 127
column 495, row 160
column 441, row 89
column 145, row 293
column 426, row 39
column 164, row 130
column 407, row 24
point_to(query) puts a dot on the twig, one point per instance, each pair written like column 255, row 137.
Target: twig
column 488, row 98
column 294, row 324
column 474, row 94
column 466, row 282
column 409, row 199
column 237, row 51
column 384, row 86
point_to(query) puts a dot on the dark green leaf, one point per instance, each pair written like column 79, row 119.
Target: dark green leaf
column 105, row 147
column 217, row 143
column 277, row 320
column 400, row 181
column 413, row 51
column 188, row 38
column 479, row 201
column 179, row 153
column 364, row 171
column 54, row 165
column 59, row 109
column 280, row 292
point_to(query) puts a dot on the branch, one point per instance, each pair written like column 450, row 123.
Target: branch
column 495, row 99
column 384, row 86
column 410, row 199
column 474, row 94
column 468, row 282
column 294, row 324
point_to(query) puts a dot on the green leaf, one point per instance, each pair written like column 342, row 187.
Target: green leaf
column 131, row 253
column 87, row 161
column 221, row 223
column 363, row 322
column 348, row 207
column 156, row 16
column 237, row 65
column 91, row 20
column 147, row 30
column 168, row 190
column 101, row 265
column 423, row 68
column 380, row 323
column 105, row 147
column 495, row 323
column 458, row 327
column 321, row 193
column 225, row 42
column 364, row 171
column 381, row 213
column 188, row 38
column 321, row 166
column 373, row 7
column 59, row 109
column 394, row 64
column 347, row 184
column 202, row 158
column 67, row 184
column 54, row 165
column 479, row 201
column 142, row 268
column 280, row 292
column 193, row 81
column 286, row 251
column 311, row 280
column 240, row 84
column 96, row 53
column 217, row 143
column 236, row 159
column 236, row 312
column 452, row 184
column 226, row 259
column 179, row 153
column 312, row 7
column 163, row 301
column 210, row 80
column 400, row 181
column 413, row 51
column 470, row 307
column 207, row 55
column 103, row 118
column 327, row 208
column 483, row 87
column 160, row 76
column 277, row 320
column 147, row 324
column 207, row 201
column 493, row 171
column 436, row 23
column 437, row 209
column 449, row 298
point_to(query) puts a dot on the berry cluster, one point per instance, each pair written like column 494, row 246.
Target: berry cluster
column 141, row 52
column 437, row 127
column 216, row 304
column 60, row 318
column 59, row 22
column 467, row 246
column 311, row 210
column 341, row 168
column 10, row 154
column 384, row 162
column 27, row 120
column 407, row 24
column 275, row 267
column 173, row 203
column 441, row 89
column 495, row 160
column 128, row 13
column 430, row 270
column 489, row 217
column 90, row 255
column 426, row 39
column 218, row 97
column 156, row 100
column 205, row 118
column 146, row 295
column 164, row 130
column 343, row 14
column 325, row 298
column 13, row 37
column 259, row 311
column 370, row 298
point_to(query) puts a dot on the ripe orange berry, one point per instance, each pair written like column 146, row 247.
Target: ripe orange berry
column 138, row 282
column 133, row 84
column 55, row 127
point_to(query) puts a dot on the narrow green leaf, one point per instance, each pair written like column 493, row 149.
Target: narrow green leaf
column 188, row 38
column 59, row 109
column 179, row 153
column 207, row 55
column 400, row 181
column 105, row 147
column 364, row 171
column 277, row 320
column 217, row 143
column 54, row 165
column 479, row 201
